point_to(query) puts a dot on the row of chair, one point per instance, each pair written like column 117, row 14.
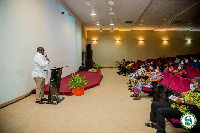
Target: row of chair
column 177, row 84
column 192, row 72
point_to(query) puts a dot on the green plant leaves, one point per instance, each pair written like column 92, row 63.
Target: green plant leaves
column 77, row 81
column 98, row 67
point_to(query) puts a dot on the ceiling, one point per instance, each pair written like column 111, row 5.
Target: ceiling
column 157, row 15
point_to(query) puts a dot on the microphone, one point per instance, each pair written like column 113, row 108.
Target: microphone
column 46, row 57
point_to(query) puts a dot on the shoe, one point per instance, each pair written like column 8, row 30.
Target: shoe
column 119, row 73
column 40, row 102
column 44, row 99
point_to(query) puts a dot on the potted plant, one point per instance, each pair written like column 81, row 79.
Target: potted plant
column 117, row 64
column 98, row 69
column 77, row 84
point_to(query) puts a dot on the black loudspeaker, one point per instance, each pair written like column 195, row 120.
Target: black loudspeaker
column 89, row 63
column 89, row 54
column 88, row 47
column 89, row 51
column 81, row 68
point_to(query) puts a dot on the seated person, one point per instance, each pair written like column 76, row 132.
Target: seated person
column 184, row 61
column 180, row 71
column 169, row 67
column 130, row 66
column 177, row 61
column 195, row 63
column 123, row 68
column 147, row 63
column 138, row 72
column 148, row 83
column 162, row 110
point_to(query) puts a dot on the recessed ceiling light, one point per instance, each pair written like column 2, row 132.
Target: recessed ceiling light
column 98, row 24
column 111, row 11
column 111, row 23
column 93, row 13
column 111, row 3
column 87, row 3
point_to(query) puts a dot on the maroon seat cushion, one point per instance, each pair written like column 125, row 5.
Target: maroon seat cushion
column 185, row 85
column 192, row 72
column 173, row 120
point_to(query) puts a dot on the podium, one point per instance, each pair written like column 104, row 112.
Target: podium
column 55, row 79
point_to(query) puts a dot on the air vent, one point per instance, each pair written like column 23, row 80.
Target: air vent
column 128, row 22
column 176, row 22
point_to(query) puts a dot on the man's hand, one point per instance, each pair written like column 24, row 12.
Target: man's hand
column 179, row 101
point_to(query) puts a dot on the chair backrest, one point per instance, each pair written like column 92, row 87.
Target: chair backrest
column 192, row 72
column 166, row 79
column 175, row 82
column 128, row 62
column 147, row 68
column 175, row 67
column 185, row 85
column 189, row 63
column 136, row 66
column 186, row 69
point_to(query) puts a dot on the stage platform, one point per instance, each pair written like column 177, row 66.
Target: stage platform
column 93, row 78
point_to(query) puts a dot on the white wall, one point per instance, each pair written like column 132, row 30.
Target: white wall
column 24, row 26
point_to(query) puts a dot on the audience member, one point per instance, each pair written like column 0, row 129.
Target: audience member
column 184, row 61
column 177, row 61
column 161, row 62
column 180, row 71
column 138, row 72
column 195, row 63
column 129, row 67
column 122, row 68
column 169, row 67
column 148, row 83
column 162, row 110
column 147, row 63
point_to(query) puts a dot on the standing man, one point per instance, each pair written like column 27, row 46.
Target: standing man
column 39, row 75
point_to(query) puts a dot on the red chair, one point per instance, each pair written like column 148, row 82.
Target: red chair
column 175, row 82
column 175, row 67
column 186, row 69
column 167, row 78
column 164, row 81
column 185, row 85
column 192, row 72
column 189, row 63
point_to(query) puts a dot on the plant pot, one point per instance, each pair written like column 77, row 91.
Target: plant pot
column 76, row 92
column 98, row 71
column 82, row 90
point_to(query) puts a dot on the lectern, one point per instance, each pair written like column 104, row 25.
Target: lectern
column 53, row 97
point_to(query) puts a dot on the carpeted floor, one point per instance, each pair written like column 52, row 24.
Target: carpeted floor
column 104, row 109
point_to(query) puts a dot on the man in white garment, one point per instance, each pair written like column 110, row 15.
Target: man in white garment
column 39, row 74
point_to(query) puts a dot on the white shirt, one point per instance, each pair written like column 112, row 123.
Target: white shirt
column 186, row 61
column 40, row 64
